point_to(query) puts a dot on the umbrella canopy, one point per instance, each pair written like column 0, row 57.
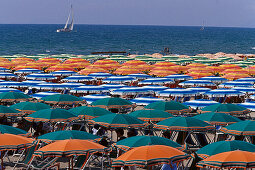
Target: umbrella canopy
column 179, row 77
column 231, row 159
column 61, row 99
column 2, row 90
column 145, row 100
column 224, row 146
column 12, row 130
column 217, row 118
column 200, row 103
column 177, row 92
column 89, row 112
column 40, row 95
column 51, row 115
column 130, row 91
column 93, row 97
column 223, row 93
column 89, row 89
column 117, row 121
column 78, row 78
column 119, row 79
column 68, row 134
column 40, row 76
column 30, row 107
column 197, row 83
column 137, row 141
column 158, row 81
column 63, row 73
column 248, row 105
column 246, row 128
column 171, row 107
column 235, row 84
column 214, row 79
column 27, row 71
column 152, row 115
column 149, row 155
column 69, row 147
column 7, row 111
column 112, row 103
column 13, row 142
column 100, row 75
column 183, row 124
column 14, row 96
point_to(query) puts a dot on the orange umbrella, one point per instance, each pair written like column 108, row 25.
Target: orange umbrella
column 126, row 71
column 13, row 142
column 105, row 61
column 164, row 64
column 231, row 159
column 201, row 70
column 162, row 68
column 229, row 66
column 235, row 76
column 179, row 68
column 4, row 59
column 134, row 62
column 90, row 69
column 76, row 60
column 19, row 67
column 145, row 67
column 197, row 75
column 60, row 67
column 234, row 70
column 149, row 156
column 162, row 73
column 49, row 60
column 22, row 59
column 112, row 66
column 215, row 69
column 251, row 70
column 7, row 65
column 80, row 65
column 195, row 65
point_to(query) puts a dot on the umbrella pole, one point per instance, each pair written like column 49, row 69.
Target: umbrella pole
column 2, row 161
column 72, row 162
column 69, row 164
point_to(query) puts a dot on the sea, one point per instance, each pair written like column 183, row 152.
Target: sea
column 41, row 39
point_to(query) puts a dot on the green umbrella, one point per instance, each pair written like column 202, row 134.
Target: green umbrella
column 61, row 99
column 7, row 111
column 137, row 141
column 89, row 112
column 225, row 108
column 14, row 96
column 171, row 57
column 12, row 130
column 171, row 107
column 68, row 134
column 183, row 124
column 224, row 146
column 112, row 103
column 153, row 115
column 217, row 118
column 30, row 107
column 51, row 115
column 246, row 127
column 117, row 121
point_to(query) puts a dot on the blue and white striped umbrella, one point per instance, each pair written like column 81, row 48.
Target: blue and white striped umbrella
column 214, row 79
column 89, row 88
column 72, row 85
column 7, row 75
column 252, row 97
column 247, row 79
column 199, row 90
column 4, row 69
column 14, row 84
column 131, row 91
column 119, row 79
column 40, row 76
column 144, row 101
column 235, row 84
column 29, row 83
column 27, row 71
column 197, row 82
column 93, row 97
column 139, row 76
column 200, row 103
column 39, row 95
column 248, row 105
column 157, row 81
column 155, row 88
column 179, row 77
column 63, row 73
column 249, row 90
column 100, row 75
column 177, row 92
column 112, row 86
column 2, row 90
column 49, row 86
column 78, row 78
column 223, row 93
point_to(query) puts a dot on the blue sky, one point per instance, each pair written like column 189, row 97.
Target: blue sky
column 230, row 13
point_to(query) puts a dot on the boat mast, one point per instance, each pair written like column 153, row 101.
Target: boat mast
column 71, row 25
column 68, row 19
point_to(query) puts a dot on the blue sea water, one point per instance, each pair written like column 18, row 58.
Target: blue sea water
column 37, row 39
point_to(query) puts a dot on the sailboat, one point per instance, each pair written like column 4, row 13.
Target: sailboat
column 203, row 26
column 68, row 28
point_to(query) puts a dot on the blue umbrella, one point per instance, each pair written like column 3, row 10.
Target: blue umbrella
column 39, row 95
column 200, row 103
column 119, row 79
column 235, row 84
column 157, row 81
column 197, row 82
column 2, row 90
column 112, row 86
column 100, row 75
column 11, row 84
column 131, row 91
column 49, row 86
column 7, row 75
column 249, row 90
column 139, row 76
column 200, row 90
column 155, row 88
column 177, row 92
column 223, row 93
column 27, row 71
column 70, row 85
column 214, row 79
column 248, row 105
column 247, row 79
column 63, row 73
column 145, row 100
column 93, row 97
column 29, row 83
column 179, row 77
column 78, row 78
column 89, row 88
column 40, row 76
column 4, row 69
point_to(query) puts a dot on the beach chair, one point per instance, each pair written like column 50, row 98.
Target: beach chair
column 202, row 139
column 80, row 162
column 46, row 164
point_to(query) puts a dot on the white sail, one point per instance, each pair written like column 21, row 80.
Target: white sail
column 67, row 21
column 71, row 25
column 68, row 28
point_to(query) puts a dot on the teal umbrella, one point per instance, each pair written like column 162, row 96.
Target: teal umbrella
column 12, row 130
column 183, row 124
column 217, row 118
column 170, row 106
column 89, row 112
column 153, row 115
column 246, row 127
column 7, row 111
column 51, row 115
column 14, row 96
column 68, row 134
column 224, row 146
column 112, row 103
column 137, row 141
column 30, row 107
column 117, row 121
column 61, row 99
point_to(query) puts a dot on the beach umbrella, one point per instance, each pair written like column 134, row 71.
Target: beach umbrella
column 234, row 76
column 249, row 105
column 217, row 118
column 235, row 84
column 112, row 103
column 61, row 99
column 224, row 146
column 134, row 62
column 239, row 71
column 126, row 71
column 196, row 65
column 81, row 65
column 200, row 69
column 169, row 106
column 22, row 59
column 197, row 75
column 29, row 107
column 139, row 76
column 40, row 76
column 248, row 90
column 7, row 75
column 51, row 115
column 149, row 156
column 6, row 65
column 200, row 103
column 100, row 75
column 14, row 142
column 50, row 86
column 29, row 83
column 197, row 83
column 183, row 124
column 14, row 84
column 63, row 73
column 176, row 92
column 157, row 81
column 164, row 64
column 145, row 100
column 118, row 121
column 14, row 96
column 27, row 71
column 247, row 79
column 179, row 69
column 215, row 69
column 76, row 60
column 214, row 79
column 49, row 60
column 229, row 160
column 89, row 89
column 225, row 108
column 3, row 90
column 39, row 95
column 7, row 111
column 229, row 66
column 90, row 69
column 137, row 141
column 105, row 61
column 179, row 77
column 119, row 79
column 113, row 86
column 145, row 67
column 60, row 67
column 69, row 147
column 12, row 130
column 4, row 69
column 223, row 93
column 151, row 115
column 93, row 97
column 155, row 88
column 130, row 91
column 78, row 78
column 67, row 134
column 199, row 90
column 112, row 66
column 89, row 112
column 246, row 128
column 162, row 73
